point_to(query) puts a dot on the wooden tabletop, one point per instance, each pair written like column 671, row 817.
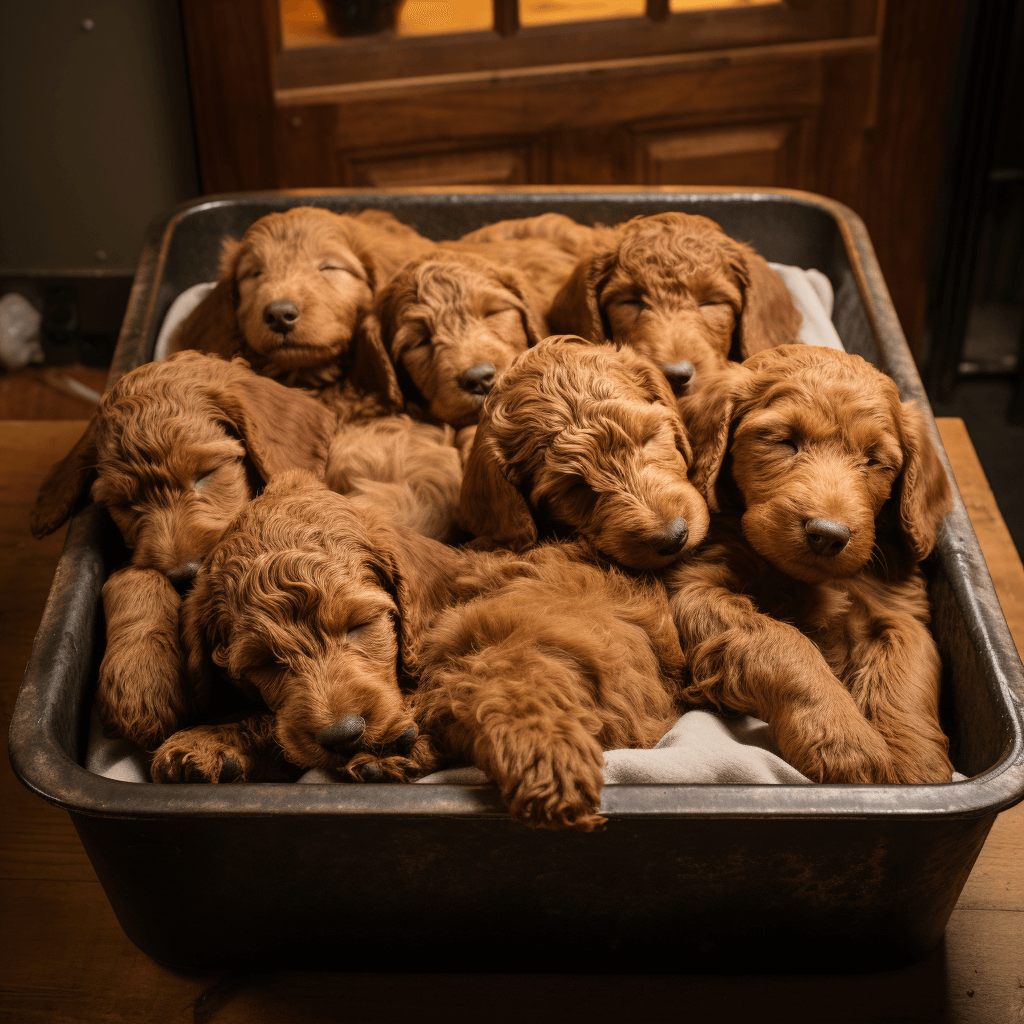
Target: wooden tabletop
column 64, row 957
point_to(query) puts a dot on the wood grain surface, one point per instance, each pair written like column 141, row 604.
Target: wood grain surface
column 65, row 958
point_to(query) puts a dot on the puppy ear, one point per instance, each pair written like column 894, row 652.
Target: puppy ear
column 533, row 323
column 417, row 572
column 65, row 483
column 213, row 326
column 769, row 316
column 372, row 369
column 576, row 309
column 708, row 413
column 282, row 428
column 925, row 496
column 489, row 506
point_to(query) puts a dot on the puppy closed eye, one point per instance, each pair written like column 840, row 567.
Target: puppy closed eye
column 718, row 314
column 335, row 268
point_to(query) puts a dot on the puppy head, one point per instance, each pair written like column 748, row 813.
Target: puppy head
column 175, row 450
column 584, row 439
column 297, row 604
column 814, row 450
column 453, row 322
column 294, row 288
column 676, row 288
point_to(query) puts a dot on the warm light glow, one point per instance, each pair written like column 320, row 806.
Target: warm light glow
column 549, row 12
column 699, row 5
column 303, row 22
column 434, row 17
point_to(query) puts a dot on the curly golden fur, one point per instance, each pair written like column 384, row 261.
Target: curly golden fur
column 455, row 318
column 292, row 294
column 584, row 439
column 331, row 614
column 806, row 606
column 174, row 451
column 141, row 694
column 556, row 228
column 408, row 468
column 675, row 287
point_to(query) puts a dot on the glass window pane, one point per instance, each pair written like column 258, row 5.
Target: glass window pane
column 436, row 17
column 315, row 22
column 548, row 12
column 703, row 5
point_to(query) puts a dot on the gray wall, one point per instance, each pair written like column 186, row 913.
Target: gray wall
column 95, row 130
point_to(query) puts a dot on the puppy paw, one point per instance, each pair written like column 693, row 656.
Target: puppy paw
column 206, row 753
column 846, row 749
column 560, row 788
column 408, row 757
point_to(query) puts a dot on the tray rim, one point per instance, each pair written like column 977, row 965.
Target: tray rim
column 42, row 765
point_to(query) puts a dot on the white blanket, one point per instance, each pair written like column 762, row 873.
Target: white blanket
column 701, row 747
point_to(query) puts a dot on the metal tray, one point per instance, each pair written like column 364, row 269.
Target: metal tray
column 683, row 878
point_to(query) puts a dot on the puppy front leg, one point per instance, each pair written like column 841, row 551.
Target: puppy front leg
column 746, row 661
column 141, row 695
column 242, row 751
column 517, row 719
column 895, row 682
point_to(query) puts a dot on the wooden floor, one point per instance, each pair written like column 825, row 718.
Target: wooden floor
column 65, row 958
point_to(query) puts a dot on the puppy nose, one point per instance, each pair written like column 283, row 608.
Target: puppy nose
column 825, row 537
column 183, row 576
column 679, row 374
column 673, row 540
column 281, row 316
column 477, row 380
column 342, row 737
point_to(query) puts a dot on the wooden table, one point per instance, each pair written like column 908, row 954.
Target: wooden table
column 64, row 957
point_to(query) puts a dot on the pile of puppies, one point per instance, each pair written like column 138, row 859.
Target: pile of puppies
column 511, row 500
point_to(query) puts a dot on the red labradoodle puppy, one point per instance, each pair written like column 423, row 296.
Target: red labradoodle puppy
column 292, row 294
column 174, row 451
column 806, row 606
column 675, row 287
column 527, row 666
column 584, row 439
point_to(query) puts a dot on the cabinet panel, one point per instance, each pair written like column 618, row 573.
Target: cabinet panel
column 521, row 164
column 742, row 154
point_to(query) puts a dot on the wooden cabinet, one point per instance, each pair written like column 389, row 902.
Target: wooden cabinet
column 670, row 92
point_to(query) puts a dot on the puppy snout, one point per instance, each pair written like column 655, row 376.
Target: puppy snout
column 342, row 737
column 477, row 380
column 679, row 374
column 825, row 537
column 281, row 316
column 183, row 576
column 673, row 539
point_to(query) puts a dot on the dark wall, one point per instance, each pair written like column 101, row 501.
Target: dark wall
column 95, row 130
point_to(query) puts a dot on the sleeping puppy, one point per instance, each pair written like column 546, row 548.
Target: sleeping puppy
column 806, row 606
column 291, row 295
column 348, row 626
column 563, row 231
column 584, row 439
column 174, row 451
column 453, row 320
column 675, row 287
